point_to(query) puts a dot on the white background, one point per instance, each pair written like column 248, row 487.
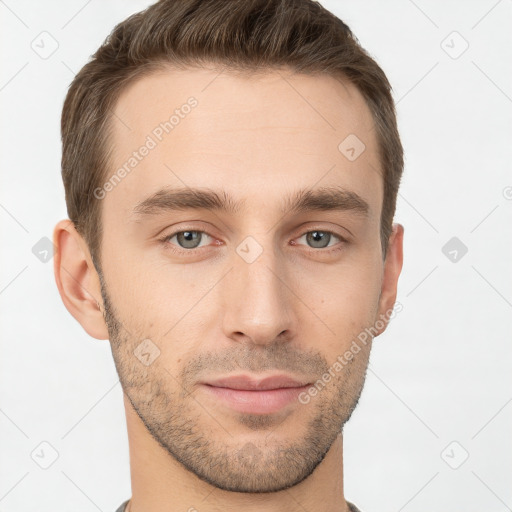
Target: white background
column 440, row 373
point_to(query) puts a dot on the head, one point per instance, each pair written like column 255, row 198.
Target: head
column 231, row 172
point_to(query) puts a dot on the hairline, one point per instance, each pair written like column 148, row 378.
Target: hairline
column 160, row 66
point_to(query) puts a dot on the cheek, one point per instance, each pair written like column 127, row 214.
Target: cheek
column 133, row 284
column 345, row 302
column 152, row 295
column 159, row 302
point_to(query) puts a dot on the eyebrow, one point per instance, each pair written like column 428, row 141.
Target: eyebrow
column 330, row 198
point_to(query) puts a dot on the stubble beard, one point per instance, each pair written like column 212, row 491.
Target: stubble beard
column 176, row 420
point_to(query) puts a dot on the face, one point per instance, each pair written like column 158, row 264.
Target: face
column 241, row 258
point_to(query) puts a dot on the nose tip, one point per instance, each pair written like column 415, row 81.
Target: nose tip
column 257, row 307
column 259, row 336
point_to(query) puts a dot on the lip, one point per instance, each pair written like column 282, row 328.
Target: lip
column 256, row 395
column 248, row 383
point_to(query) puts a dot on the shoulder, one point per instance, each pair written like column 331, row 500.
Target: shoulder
column 122, row 507
column 352, row 507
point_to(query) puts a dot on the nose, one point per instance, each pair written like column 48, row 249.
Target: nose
column 258, row 301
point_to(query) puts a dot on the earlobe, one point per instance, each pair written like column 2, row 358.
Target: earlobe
column 392, row 269
column 77, row 280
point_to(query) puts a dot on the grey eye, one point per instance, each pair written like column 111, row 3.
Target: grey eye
column 318, row 239
column 189, row 239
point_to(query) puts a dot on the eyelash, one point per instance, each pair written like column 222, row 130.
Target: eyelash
column 176, row 249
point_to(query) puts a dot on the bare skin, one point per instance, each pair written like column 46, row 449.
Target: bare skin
column 185, row 280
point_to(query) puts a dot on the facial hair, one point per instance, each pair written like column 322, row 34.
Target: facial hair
column 177, row 420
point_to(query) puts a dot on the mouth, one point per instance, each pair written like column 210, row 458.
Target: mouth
column 256, row 395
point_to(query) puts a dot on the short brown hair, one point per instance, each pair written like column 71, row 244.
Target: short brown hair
column 242, row 35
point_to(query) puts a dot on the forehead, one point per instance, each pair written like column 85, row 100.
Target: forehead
column 265, row 134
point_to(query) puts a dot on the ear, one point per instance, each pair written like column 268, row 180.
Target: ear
column 77, row 279
column 392, row 269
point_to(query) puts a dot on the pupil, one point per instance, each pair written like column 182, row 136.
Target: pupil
column 189, row 239
column 319, row 237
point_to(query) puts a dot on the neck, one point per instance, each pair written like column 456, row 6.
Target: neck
column 157, row 479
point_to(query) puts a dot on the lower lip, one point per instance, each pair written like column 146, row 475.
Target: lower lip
column 256, row 402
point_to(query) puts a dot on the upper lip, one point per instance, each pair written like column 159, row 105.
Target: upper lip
column 247, row 382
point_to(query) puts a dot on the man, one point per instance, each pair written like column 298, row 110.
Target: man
column 231, row 171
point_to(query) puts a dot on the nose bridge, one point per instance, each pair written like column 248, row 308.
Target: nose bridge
column 257, row 302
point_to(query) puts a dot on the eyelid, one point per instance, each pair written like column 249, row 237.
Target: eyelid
column 167, row 238
column 332, row 233
column 306, row 230
column 309, row 229
column 326, row 229
column 329, row 250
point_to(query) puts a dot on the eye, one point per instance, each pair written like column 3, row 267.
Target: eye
column 319, row 239
column 189, row 239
